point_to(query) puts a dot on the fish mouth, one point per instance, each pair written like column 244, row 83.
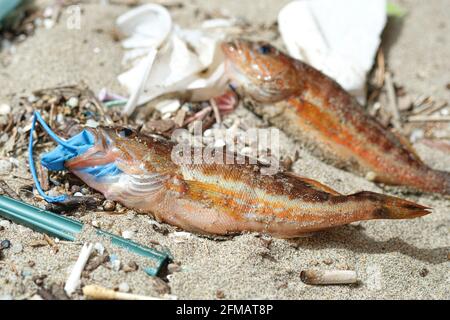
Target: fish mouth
column 101, row 153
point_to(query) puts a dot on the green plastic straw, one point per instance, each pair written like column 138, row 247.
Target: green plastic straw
column 67, row 229
column 6, row 6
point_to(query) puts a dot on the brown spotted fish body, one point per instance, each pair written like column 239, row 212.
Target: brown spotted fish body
column 317, row 111
column 223, row 198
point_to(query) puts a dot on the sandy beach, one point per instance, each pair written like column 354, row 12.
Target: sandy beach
column 394, row 259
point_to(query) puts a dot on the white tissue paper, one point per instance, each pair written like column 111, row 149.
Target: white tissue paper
column 338, row 37
column 167, row 58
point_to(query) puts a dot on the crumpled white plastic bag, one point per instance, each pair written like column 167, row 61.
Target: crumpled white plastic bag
column 168, row 58
column 338, row 37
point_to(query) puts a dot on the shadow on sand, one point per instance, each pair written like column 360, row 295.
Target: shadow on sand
column 354, row 238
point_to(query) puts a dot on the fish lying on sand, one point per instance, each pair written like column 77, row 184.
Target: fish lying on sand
column 221, row 198
column 316, row 110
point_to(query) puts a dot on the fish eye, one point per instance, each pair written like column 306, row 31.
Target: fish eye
column 264, row 49
column 125, row 132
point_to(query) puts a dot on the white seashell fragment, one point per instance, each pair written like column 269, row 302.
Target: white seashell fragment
column 73, row 281
column 127, row 234
column 180, row 236
column 338, row 37
column 166, row 106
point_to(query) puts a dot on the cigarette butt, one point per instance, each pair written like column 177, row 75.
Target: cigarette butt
column 101, row 293
column 328, row 276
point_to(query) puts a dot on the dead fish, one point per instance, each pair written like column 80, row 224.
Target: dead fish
column 317, row 111
column 221, row 199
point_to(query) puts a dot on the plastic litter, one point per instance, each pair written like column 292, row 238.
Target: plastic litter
column 168, row 59
column 6, row 6
column 67, row 229
column 338, row 37
column 54, row 160
column 66, row 150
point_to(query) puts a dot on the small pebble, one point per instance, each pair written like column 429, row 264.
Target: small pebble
column 5, row 109
column 5, row 167
column 16, row 248
column 115, row 262
column 95, row 223
column 77, row 194
column 130, row 267
column 416, row 134
column 124, row 287
column 424, row 272
column 32, row 98
column 127, row 234
column 109, row 205
column 74, row 188
column 371, row 176
column 173, row 267
column 115, row 265
column 220, row 294
column 328, row 261
column 5, row 244
column 160, row 286
column 26, row 272
column 168, row 106
column 92, row 123
column 48, row 23
column 53, row 193
column 72, row 102
column 99, row 248
column 60, row 118
column 85, row 191
column 5, row 223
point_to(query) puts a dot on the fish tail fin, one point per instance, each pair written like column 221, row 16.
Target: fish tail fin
column 389, row 207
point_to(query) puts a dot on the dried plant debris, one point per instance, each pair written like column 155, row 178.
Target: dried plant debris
column 421, row 118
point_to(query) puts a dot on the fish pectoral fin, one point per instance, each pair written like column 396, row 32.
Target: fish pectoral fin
column 314, row 184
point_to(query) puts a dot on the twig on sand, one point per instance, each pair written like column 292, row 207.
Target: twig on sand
column 392, row 101
column 328, row 276
column 102, row 293
column 434, row 108
column 198, row 116
column 380, row 73
column 216, row 111
column 425, row 118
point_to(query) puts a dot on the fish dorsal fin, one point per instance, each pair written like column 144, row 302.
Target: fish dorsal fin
column 407, row 145
column 313, row 184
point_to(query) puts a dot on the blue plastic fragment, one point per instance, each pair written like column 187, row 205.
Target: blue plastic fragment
column 54, row 160
column 66, row 150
